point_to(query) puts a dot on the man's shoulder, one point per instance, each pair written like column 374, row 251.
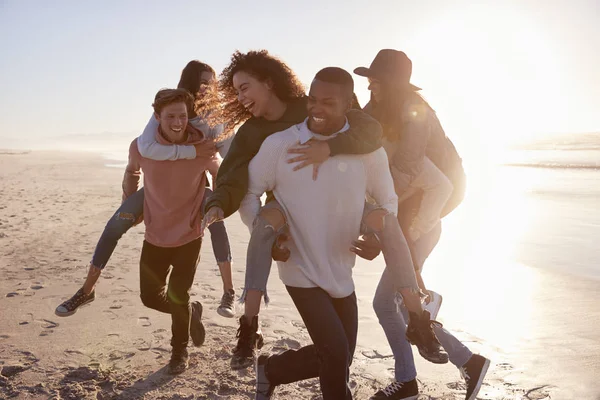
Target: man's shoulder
column 375, row 157
column 284, row 138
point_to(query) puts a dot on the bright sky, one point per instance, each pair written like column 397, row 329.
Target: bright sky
column 493, row 71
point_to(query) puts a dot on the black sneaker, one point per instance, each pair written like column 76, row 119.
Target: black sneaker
column 227, row 308
column 197, row 331
column 250, row 339
column 70, row 306
column 473, row 372
column 398, row 391
column 420, row 333
column 179, row 361
column 264, row 389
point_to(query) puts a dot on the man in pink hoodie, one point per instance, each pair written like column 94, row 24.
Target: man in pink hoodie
column 172, row 214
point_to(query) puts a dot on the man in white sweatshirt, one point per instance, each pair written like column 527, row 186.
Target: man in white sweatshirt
column 324, row 218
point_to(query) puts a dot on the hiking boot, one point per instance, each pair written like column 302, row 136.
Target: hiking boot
column 432, row 303
column 227, row 308
column 250, row 339
column 473, row 373
column 197, row 331
column 179, row 361
column 398, row 391
column 420, row 333
column 69, row 307
column 264, row 389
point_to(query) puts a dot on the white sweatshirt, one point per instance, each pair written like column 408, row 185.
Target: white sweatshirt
column 324, row 216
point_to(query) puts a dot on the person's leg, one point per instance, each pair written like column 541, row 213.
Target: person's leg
column 126, row 216
column 121, row 221
column 394, row 326
column 400, row 266
column 329, row 357
column 437, row 189
column 155, row 263
column 396, row 253
column 185, row 261
column 267, row 226
column 222, row 252
column 221, row 248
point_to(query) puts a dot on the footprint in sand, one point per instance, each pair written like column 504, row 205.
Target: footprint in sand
column 457, row 386
column 144, row 321
column 47, row 324
column 375, row 355
column 111, row 314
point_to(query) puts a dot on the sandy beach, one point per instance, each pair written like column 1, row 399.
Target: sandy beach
column 53, row 207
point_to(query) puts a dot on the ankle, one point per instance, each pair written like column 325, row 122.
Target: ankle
column 87, row 289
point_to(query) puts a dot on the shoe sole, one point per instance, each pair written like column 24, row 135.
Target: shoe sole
column 69, row 313
column 225, row 313
column 484, row 370
column 434, row 361
column 435, row 314
column 198, row 334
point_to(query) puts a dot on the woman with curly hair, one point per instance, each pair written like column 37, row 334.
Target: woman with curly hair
column 263, row 94
column 197, row 78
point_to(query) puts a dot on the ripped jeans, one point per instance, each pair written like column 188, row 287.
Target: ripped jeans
column 394, row 248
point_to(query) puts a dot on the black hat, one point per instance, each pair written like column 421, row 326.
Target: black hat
column 389, row 66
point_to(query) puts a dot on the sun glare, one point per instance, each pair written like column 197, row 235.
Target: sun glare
column 488, row 81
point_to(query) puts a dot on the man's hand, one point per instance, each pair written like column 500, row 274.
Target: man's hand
column 367, row 247
column 279, row 252
column 213, row 215
column 205, row 149
column 314, row 152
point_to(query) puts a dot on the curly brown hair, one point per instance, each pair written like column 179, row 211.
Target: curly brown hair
column 263, row 66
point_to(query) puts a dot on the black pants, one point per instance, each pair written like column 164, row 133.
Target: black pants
column 173, row 299
column 333, row 325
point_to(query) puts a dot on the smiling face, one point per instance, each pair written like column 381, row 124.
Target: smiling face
column 206, row 78
column 327, row 106
column 173, row 120
column 376, row 90
column 253, row 94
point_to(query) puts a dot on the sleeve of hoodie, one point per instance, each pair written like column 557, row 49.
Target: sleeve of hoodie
column 150, row 148
column 364, row 135
column 133, row 171
column 412, row 143
column 232, row 178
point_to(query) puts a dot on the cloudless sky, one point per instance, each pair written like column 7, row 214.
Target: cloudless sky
column 494, row 70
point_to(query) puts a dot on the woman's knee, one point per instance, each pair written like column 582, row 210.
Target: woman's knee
column 384, row 303
column 273, row 218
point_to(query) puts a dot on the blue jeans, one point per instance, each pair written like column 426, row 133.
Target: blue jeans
column 332, row 325
column 393, row 317
column 129, row 212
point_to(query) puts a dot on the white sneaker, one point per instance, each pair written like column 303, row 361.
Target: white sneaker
column 432, row 303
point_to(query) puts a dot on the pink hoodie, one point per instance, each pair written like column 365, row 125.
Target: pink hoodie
column 173, row 192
